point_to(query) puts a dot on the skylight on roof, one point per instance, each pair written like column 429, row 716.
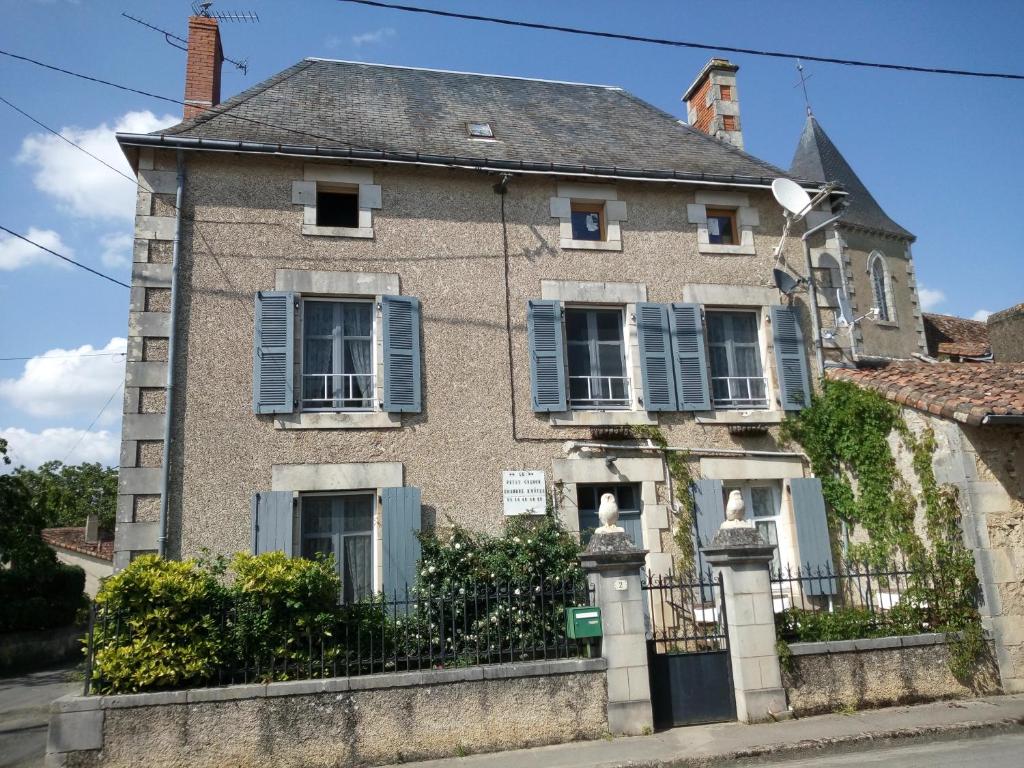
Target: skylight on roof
column 480, row 130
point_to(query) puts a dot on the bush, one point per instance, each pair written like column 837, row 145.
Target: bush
column 802, row 626
column 162, row 630
column 41, row 597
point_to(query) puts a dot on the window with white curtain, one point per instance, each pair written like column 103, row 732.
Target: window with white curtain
column 342, row 526
column 734, row 351
column 337, row 355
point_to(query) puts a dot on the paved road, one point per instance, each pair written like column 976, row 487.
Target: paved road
column 1003, row 750
column 24, row 714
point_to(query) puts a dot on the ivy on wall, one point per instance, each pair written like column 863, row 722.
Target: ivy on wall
column 845, row 434
column 679, row 471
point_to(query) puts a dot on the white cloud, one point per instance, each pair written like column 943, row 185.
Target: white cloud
column 930, row 299
column 69, row 382
column 34, row 448
column 117, row 250
column 15, row 253
column 80, row 184
column 374, row 37
column 981, row 314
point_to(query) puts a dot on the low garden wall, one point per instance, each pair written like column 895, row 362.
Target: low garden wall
column 878, row 672
column 23, row 651
column 368, row 720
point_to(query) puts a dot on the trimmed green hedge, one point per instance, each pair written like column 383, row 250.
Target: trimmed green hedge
column 40, row 598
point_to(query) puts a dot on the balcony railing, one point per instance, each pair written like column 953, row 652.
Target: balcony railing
column 599, row 391
column 739, row 391
column 338, row 391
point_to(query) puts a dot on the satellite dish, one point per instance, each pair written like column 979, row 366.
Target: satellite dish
column 845, row 310
column 784, row 281
column 791, row 196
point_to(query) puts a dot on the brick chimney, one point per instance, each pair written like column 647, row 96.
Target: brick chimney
column 202, row 73
column 712, row 104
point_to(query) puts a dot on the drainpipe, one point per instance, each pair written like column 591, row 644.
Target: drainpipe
column 165, row 464
column 697, row 451
column 813, row 293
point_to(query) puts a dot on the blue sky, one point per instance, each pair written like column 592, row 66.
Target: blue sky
column 942, row 154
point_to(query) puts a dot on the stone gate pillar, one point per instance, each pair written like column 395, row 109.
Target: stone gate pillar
column 742, row 558
column 613, row 565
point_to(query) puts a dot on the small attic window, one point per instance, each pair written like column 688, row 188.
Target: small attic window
column 338, row 207
column 480, row 130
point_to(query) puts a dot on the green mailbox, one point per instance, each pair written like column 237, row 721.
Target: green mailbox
column 581, row 623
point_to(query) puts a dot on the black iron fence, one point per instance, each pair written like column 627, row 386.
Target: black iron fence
column 686, row 612
column 857, row 600
column 249, row 641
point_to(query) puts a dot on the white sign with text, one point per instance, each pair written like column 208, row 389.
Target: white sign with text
column 524, row 492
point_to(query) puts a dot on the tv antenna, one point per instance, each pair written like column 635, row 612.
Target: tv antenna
column 203, row 9
column 170, row 38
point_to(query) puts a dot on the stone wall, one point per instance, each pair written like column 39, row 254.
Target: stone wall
column 44, row 648
column 1006, row 334
column 368, row 720
column 878, row 672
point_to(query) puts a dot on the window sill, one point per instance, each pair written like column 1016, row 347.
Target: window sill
column 591, row 245
column 362, row 232
column 352, row 420
column 887, row 323
column 601, row 418
column 726, row 418
column 726, row 250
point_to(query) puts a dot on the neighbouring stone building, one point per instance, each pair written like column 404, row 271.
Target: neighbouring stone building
column 976, row 413
column 957, row 339
column 375, row 289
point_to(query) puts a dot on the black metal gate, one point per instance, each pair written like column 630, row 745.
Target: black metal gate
column 688, row 649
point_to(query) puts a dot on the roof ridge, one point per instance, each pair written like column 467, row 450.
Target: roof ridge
column 324, row 60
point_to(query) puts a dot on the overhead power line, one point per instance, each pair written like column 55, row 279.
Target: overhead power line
column 64, row 138
column 64, row 357
column 92, row 424
column 683, row 43
column 62, row 256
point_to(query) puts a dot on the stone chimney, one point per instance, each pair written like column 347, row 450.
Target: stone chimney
column 202, row 73
column 92, row 529
column 1006, row 335
column 712, row 103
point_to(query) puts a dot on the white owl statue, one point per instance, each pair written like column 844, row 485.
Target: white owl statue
column 608, row 514
column 735, row 512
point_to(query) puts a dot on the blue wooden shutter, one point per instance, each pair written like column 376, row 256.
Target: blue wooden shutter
column 401, row 545
column 708, row 516
column 547, row 355
column 690, row 357
column 272, row 522
column 812, row 535
column 790, row 358
column 401, row 334
column 656, row 364
column 273, row 352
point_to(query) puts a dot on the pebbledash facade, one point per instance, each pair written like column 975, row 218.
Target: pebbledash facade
column 395, row 284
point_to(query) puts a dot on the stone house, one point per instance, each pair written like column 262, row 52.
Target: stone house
column 956, row 339
column 976, row 413
column 362, row 293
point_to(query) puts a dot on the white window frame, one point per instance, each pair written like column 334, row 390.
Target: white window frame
column 375, row 400
column 631, row 394
column 329, row 178
column 761, row 351
column 375, row 534
column 877, row 258
column 593, row 194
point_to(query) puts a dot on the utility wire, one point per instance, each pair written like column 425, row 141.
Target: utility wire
column 88, row 429
column 62, row 256
column 683, row 43
column 62, row 137
column 65, row 357
column 225, row 114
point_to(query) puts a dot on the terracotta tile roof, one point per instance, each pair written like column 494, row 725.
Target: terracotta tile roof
column 951, row 335
column 73, row 539
column 966, row 393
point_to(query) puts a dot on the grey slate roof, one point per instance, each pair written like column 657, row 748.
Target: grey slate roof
column 336, row 104
column 817, row 158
